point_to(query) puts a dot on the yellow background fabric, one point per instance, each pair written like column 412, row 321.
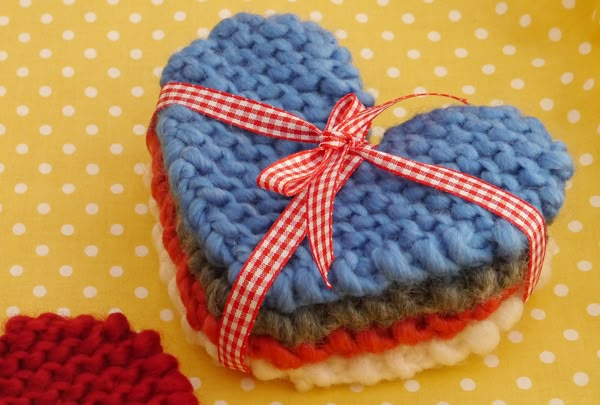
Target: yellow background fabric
column 78, row 83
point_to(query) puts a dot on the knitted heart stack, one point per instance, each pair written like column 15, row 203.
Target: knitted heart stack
column 421, row 278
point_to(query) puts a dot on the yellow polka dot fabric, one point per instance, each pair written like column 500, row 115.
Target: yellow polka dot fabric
column 78, row 83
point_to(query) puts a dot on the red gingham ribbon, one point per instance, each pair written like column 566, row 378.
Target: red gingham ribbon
column 314, row 177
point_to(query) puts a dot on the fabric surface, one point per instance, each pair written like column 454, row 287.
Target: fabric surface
column 51, row 359
column 78, row 82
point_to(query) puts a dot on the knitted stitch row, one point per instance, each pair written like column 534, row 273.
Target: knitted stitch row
column 386, row 230
column 443, row 294
column 51, row 360
column 340, row 342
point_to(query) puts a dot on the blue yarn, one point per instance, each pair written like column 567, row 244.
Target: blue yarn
column 386, row 229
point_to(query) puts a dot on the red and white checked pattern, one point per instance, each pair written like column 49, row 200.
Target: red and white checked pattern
column 314, row 177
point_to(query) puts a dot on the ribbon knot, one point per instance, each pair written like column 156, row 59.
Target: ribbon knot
column 313, row 177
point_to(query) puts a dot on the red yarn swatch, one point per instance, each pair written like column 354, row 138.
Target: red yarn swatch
column 408, row 331
column 55, row 360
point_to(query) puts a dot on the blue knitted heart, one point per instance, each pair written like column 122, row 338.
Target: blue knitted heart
column 386, row 229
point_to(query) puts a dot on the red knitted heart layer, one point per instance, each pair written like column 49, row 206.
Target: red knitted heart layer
column 51, row 359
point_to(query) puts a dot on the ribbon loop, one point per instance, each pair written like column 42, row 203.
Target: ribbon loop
column 314, row 177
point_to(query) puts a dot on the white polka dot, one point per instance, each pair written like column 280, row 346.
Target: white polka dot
column 23, row 71
column 434, row 36
column 393, row 72
column 42, row 250
column 488, row 69
column 454, row 15
column 2, row 91
column 575, row 226
column 584, row 265
column 116, row 148
column 141, row 209
column 116, row 271
column 24, row 37
column 538, row 314
column 419, row 90
column 22, row 110
column 413, row 53
column 568, row 3
column 571, row 334
column 412, row 386
column 139, row 168
column 491, row 360
column 387, row 35
column 481, row 33
column 16, row 270
column 113, row 35
column 498, row 402
column 115, row 111
column 68, row 71
column 116, row 188
column 585, row 48
column 524, row 383
column 20, row 188
column 509, row 49
column 573, row 116
column 91, row 208
column 586, row 159
column 12, row 311
column 408, row 18
column 340, row 34
column 68, row 110
column 315, row 16
column 547, row 357
column 139, row 129
column 89, row 53
column 115, row 310
column 116, row 229
column 91, row 250
column 515, row 336
column 89, row 17
column 65, row 271
column 461, row 52
column 19, row 229
column 68, row 148
column 467, row 384
column 362, row 18
column 92, row 169
column 589, row 84
column 383, row 2
column 135, row 18
column 468, row 89
column 247, row 383
column 4, row 20
column 67, row 229
column 525, row 20
column 581, row 379
column 3, row 55
column 202, row 32
column 566, row 77
column 62, row 311
column 39, row 291
column 137, row 91
column 166, row 315
column 135, row 54
column 43, row 208
column 538, row 62
column 399, row 112
column 114, row 72
column 593, row 309
column 547, row 104
column 90, row 292
column 68, row 35
column 224, row 13
column 517, row 83
column 366, row 53
column 45, row 53
column 45, row 91
column 555, row 34
column 90, row 92
column 501, row 8
column 91, row 129
column 68, row 188
column 222, row 402
column 196, row 382
column 141, row 250
column 440, row 71
column 141, row 292
column 22, row 148
column 157, row 35
column 561, row 290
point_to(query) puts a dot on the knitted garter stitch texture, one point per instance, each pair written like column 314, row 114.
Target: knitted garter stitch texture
column 51, row 360
column 387, row 231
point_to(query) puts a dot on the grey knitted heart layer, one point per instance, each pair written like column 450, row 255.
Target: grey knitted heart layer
column 449, row 295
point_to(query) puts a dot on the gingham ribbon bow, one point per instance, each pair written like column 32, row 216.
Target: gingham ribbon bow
column 314, row 177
